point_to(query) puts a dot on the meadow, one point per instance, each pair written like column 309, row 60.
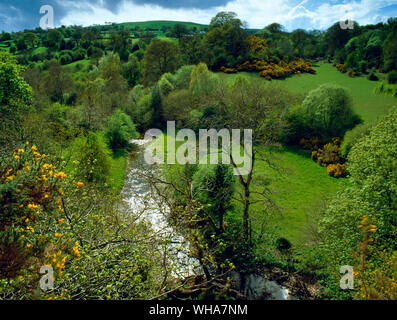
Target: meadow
column 366, row 103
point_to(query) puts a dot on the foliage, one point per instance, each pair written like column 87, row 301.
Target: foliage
column 368, row 201
column 120, row 130
column 328, row 111
column 49, row 218
column 214, row 186
column 354, row 135
column 15, row 93
column 92, row 158
column 160, row 57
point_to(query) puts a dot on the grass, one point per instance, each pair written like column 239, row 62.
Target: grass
column 117, row 169
column 297, row 185
column 368, row 105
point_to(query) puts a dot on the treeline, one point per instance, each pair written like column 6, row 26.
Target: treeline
column 226, row 43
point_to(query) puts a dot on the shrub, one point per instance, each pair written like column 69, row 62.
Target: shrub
column 65, row 58
column 311, row 143
column 79, row 54
column 373, row 77
column 283, row 244
column 30, row 186
column 337, row 170
column 330, row 154
column 392, row 77
column 120, row 129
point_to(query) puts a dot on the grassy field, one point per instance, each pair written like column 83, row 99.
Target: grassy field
column 297, row 185
column 366, row 103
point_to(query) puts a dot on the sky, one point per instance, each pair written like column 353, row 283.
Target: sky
column 16, row 15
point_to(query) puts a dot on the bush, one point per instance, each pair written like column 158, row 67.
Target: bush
column 373, row 77
column 120, row 129
column 337, row 170
column 392, row 77
column 283, row 244
column 330, row 154
column 65, row 58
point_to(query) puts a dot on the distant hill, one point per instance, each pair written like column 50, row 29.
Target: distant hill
column 161, row 23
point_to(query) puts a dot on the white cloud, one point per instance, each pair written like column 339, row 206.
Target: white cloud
column 258, row 13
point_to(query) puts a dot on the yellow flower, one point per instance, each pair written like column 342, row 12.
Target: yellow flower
column 58, row 235
column 28, row 245
column 61, row 175
column 16, row 157
column 10, row 177
column 80, row 184
column 27, row 143
column 61, row 221
column 34, row 148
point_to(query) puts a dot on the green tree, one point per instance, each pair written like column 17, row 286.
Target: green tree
column 120, row 129
column 93, row 158
column 371, row 194
column 54, row 38
column 214, row 186
column 15, row 93
column 160, row 57
column 131, row 70
column 31, row 40
column 328, row 111
column 221, row 19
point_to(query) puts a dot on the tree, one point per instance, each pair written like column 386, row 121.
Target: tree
column 95, row 54
column 58, row 81
column 160, row 57
column 226, row 42
column 328, row 111
column 31, row 40
column 178, row 31
column 120, row 130
column 54, row 38
column 368, row 200
column 390, row 51
column 221, row 19
column 131, row 70
column 156, row 105
column 214, row 185
column 15, row 93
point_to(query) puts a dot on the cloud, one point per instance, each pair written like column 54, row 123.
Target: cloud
column 307, row 14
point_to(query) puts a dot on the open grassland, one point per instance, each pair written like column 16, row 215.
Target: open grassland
column 365, row 102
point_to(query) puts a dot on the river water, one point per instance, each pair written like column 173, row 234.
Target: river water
column 144, row 203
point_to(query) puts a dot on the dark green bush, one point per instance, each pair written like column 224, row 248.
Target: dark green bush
column 392, row 77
